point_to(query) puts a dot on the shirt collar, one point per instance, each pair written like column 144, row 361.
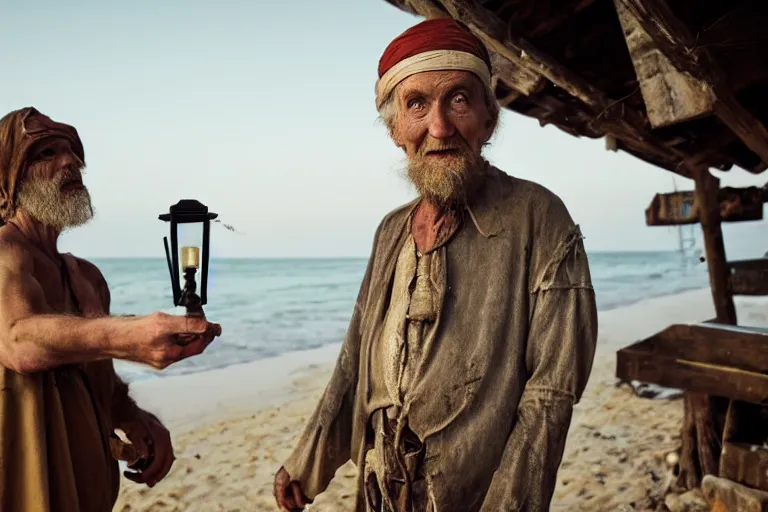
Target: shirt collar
column 483, row 209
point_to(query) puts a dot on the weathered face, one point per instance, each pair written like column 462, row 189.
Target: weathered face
column 52, row 189
column 442, row 123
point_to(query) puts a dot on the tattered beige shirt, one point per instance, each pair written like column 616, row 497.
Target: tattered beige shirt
column 399, row 356
column 509, row 355
column 397, row 359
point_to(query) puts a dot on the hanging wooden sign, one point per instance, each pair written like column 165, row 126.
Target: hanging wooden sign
column 676, row 208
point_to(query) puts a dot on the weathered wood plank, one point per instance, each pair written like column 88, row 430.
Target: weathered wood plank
column 515, row 76
column 638, row 150
column 670, row 96
column 562, row 14
column 724, row 495
column 425, row 8
column 710, row 362
column 708, row 342
column 712, row 359
column 497, row 36
column 748, row 277
column 612, row 116
column 744, row 458
column 677, row 44
column 741, row 463
column 746, row 126
column 551, row 110
column 682, row 374
column 711, row 150
column 680, row 208
column 672, row 37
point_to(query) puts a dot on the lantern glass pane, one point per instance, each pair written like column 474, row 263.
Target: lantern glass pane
column 190, row 245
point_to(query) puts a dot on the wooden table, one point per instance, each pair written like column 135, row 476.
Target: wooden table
column 719, row 360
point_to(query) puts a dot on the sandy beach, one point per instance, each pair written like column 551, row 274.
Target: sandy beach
column 233, row 427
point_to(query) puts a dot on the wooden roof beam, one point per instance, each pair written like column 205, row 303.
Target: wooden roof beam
column 674, row 40
column 515, row 76
column 425, row 8
column 612, row 117
column 555, row 20
column 671, row 96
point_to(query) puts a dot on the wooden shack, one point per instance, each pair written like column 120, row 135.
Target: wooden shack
column 682, row 85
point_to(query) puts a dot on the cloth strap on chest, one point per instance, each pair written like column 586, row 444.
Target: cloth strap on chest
column 422, row 306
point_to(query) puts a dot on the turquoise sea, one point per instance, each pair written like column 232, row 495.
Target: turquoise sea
column 268, row 307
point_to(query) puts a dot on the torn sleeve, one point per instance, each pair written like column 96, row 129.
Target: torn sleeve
column 559, row 355
column 325, row 444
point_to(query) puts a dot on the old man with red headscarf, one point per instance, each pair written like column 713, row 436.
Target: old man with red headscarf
column 61, row 400
column 474, row 330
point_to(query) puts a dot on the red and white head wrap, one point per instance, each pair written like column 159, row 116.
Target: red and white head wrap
column 440, row 44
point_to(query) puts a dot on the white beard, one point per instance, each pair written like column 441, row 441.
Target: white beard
column 44, row 201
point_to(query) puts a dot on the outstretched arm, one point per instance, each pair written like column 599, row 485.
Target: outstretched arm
column 559, row 355
column 33, row 338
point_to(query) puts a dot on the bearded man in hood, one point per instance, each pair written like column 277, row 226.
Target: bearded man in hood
column 61, row 399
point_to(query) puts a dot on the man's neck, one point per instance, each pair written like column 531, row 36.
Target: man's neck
column 430, row 211
column 428, row 220
column 42, row 236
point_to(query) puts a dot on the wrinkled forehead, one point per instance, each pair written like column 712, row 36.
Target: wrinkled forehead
column 439, row 83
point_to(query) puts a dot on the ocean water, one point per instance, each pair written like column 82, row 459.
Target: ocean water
column 269, row 307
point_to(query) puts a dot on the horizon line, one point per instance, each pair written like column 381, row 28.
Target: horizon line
column 610, row 251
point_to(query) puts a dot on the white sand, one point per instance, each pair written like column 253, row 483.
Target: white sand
column 233, row 427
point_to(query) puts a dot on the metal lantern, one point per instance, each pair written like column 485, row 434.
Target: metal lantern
column 188, row 211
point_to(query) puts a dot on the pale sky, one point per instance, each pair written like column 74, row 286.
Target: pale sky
column 265, row 112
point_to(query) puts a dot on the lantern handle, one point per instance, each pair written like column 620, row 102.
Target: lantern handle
column 206, row 258
column 170, row 271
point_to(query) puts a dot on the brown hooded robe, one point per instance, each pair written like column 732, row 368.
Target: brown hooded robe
column 55, row 425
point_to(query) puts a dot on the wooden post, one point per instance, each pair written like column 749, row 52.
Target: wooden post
column 707, row 187
column 704, row 416
column 717, row 419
